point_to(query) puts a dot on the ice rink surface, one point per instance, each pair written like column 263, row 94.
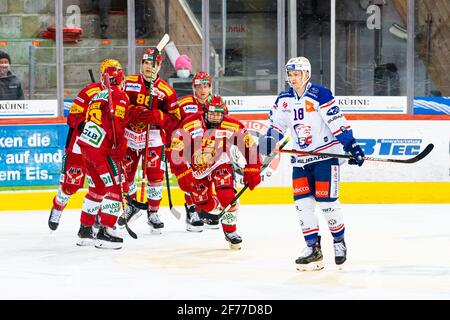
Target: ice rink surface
column 394, row 252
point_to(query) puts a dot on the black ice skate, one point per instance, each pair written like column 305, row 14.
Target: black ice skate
column 340, row 252
column 311, row 258
column 53, row 219
column 85, row 236
column 211, row 223
column 193, row 221
column 108, row 239
column 234, row 239
column 131, row 214
column 154, row 222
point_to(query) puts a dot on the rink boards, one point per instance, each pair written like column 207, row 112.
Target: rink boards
column 396, row 136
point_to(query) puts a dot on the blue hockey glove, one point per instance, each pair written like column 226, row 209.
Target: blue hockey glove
column 355, row 150
column 266, row 144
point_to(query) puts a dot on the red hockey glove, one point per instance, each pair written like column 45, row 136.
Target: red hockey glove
column 118, row 153
column 186, row 180
column 252, row 175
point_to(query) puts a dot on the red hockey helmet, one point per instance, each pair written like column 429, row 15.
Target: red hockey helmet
column 149, row 54
column 115, row 74
column 202, row 77
column 109, row 63
column 215, row 109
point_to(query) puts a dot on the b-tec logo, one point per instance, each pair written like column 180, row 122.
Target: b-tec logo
column 395, row 147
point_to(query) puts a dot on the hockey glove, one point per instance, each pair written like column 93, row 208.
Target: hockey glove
column 266, row 144
column 355, row 150
column 252, row 175
column 186, row 181
column 118, row 153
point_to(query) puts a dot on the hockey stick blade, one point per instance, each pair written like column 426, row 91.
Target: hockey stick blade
column 175, row 212
column 418, row 157
column 268, row 160
column 163, row 42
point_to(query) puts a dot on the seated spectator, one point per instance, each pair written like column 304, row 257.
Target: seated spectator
column 183, row 66
column 10, row 86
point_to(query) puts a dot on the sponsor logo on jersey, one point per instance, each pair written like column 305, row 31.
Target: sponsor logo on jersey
column 301, row 186
column 335, row 118
column 223, row 134
column 190, row 108
column 322, row 188
column 333, row 110
column 136, row 87
column 304, row 137
column 120, row 112
column 76, row 109
column 285, row 104
column 197, row 133
column 80, row 99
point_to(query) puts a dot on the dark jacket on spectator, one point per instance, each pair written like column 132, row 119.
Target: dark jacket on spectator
column 11, row 88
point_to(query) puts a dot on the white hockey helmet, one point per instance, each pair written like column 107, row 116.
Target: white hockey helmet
column 300, row 64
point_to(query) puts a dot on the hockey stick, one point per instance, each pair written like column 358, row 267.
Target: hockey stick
column 267, row 161
column 111, row 108
column 174, row 211
column 418, row 157
column 91, row 75
column 162, row 43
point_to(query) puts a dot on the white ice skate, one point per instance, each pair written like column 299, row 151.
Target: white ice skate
column 154, row 222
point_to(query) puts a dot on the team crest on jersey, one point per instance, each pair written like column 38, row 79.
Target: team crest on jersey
column 304, row 138
column 136, row 87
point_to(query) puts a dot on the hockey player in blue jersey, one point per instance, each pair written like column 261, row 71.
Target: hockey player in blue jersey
column 316, row 124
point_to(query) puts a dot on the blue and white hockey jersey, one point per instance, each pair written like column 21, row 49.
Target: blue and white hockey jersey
column 315, row 122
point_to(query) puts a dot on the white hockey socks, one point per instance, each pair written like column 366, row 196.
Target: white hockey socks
column 309, row 222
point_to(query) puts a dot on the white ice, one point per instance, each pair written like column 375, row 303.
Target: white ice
column 394, row 252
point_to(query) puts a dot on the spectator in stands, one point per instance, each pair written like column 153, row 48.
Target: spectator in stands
column 10, row 86
column 183, row 68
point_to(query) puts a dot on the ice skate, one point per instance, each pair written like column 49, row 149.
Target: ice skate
column 131, row 214
column 234, row 239
column 311, row 258
column 108, row 239
column 193, row 221
column 154, row 222
column 340, row 252
column 211, row 223
column 96, row 226
column 85, row 236
column 53, row 219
